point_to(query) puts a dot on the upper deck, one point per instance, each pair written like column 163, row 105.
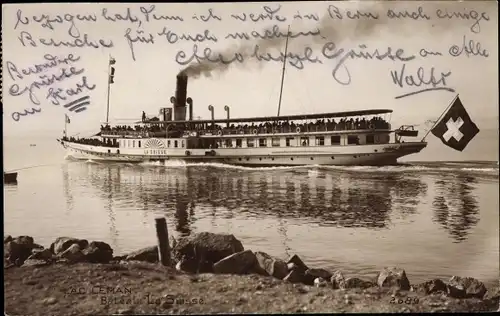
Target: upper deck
column 311, row 123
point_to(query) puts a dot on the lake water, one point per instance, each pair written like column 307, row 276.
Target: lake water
column 435, row 219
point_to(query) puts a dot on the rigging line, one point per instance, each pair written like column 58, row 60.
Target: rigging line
column 36, row 166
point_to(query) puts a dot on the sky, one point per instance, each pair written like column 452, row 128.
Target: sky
column 145, row 79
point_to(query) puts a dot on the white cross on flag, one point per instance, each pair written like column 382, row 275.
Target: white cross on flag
column 456, row 129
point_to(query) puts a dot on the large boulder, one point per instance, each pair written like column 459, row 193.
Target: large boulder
column 432, row 286
column 17, row 250
column 319, row 273
column 459, row 287
column 295, row 263
column 338, row 280
column 41, row 254
column 204, row 249
column 357, row 283
column 297, row 272
column 148, row 254
column 73, row 254
column 270, row 266
column 238, row 263
column 61, row 244
column 98, row 252
column 393, row 277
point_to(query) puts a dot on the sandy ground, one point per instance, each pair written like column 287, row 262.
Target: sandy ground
column 141, row 288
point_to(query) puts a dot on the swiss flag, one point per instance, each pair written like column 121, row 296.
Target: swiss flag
column 456, row 129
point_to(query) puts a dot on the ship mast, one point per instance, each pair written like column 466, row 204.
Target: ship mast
column 283, row 72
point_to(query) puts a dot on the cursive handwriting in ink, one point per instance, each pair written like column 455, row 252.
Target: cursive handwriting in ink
column 208, row 55
column 271, row 34
column 311, row 16
column 147, row 14
column 334, row 12
column 46, row 21
column 52, row 61
column 425, row 53
column 173, row 37
column 25, row 36
column 295, row 60
column 473, row 15
column 330, row 51
column 45, row 81
column 59, row 94
column 138, row 38
column 16, row 116
column 128, row 16
column 419, row 81
column 356, row 15
column 211, row 16
column 269, row 15
column 470, row 48
column 419, row 14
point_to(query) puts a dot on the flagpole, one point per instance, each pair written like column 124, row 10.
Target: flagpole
column 439, row 118
column 109, row 85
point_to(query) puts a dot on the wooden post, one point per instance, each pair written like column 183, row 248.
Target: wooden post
column 163, row 243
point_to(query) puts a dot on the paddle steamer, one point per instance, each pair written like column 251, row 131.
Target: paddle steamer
column 341, row 138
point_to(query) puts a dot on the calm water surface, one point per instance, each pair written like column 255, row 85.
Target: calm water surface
column 433, row 219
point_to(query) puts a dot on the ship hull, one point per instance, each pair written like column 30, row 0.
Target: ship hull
column 364, row 155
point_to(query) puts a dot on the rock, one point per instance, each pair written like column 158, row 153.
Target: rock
column 354, row 283
column 298, row 264
column 25, row 240
column 61, row 244
column 15, row 252
column 432, row 286
column 318, row 273
column 271, row 266
column 41, row 254
column 320, row 282
column 238, row 263
column 50, row 300
column 73, row 254
column 35, row 263
column 7, row 238
column 205, row 249
column 337, row 280
column 149, row 254
column 189, row 266
column 459, row 287
column 393, row 277
column 294, row 276
column 98, row 252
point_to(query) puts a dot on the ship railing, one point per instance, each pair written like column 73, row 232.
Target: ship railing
column 288, row 129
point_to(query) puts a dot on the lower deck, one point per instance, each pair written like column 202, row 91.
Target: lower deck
column 380, row 154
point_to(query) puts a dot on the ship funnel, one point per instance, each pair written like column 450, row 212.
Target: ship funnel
column 180, row 97
column 226, row 108
column 190, row 103
column 211, row 109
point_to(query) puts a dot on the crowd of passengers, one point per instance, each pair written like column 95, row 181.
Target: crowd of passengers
column 91, row 141
column 268, row 127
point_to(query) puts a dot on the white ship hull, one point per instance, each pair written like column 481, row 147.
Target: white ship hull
column 378, row 154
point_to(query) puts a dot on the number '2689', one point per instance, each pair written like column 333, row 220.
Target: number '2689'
column 408, row 300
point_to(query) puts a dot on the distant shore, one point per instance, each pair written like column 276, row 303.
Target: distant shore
column 74, row 277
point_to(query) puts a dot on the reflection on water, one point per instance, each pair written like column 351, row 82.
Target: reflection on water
column 455, row 207
column 323, row 198
column 424, row 218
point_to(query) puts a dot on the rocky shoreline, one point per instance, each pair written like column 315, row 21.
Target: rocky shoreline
column 211, row 273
